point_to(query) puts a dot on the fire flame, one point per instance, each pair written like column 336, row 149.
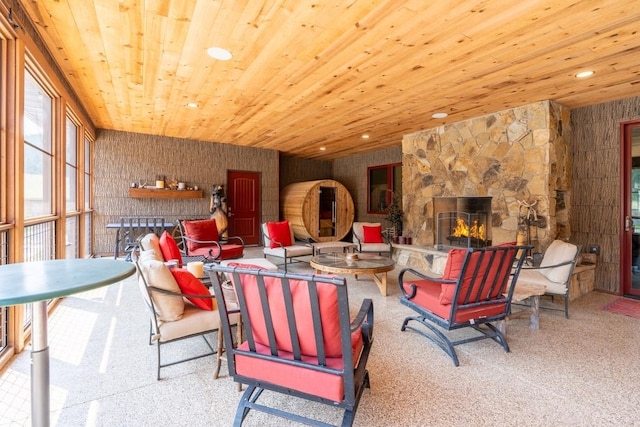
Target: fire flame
column 462, row 229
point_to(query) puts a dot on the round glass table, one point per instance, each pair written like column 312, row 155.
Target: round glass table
column 338, row 263
column 35, row 283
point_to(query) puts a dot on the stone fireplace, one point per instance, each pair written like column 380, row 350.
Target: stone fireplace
column 512, row 156
column 462, row 222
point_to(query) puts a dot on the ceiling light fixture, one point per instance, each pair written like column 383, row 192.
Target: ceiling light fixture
column 439, row 115
column 323, row 148
column 219, row 53
column 365, row 136
column 192, row 105
column 585, row 74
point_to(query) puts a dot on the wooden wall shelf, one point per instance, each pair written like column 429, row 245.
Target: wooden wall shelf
column 163, row 193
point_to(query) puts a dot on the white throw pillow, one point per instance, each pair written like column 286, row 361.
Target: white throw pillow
column 169, row 307
column 152, row 242
column 557, row 253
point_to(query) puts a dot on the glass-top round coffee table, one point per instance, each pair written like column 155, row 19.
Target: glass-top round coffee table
column 355, row 264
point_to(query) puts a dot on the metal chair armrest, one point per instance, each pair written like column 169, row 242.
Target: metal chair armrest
column 364, row 319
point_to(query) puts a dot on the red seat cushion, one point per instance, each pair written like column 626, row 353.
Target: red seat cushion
column 169, row 248
column 372, row 234
column 189, row 284
column 279, row 232
column 205, row 230
column 229, row 251
column 323, row 384
column 428, row 297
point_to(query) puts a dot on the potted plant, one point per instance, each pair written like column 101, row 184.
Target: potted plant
column 395, row 216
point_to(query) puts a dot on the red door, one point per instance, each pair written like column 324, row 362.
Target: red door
column 630, row 245
column 243, row 205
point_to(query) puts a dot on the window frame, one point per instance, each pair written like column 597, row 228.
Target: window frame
column 392, row 186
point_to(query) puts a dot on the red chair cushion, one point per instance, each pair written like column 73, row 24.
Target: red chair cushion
column 189, row 284
column 205, row 230
column 323, row 384
column 428, row 295
column 372, row 234
column 229, row 251
column 279, row 232
column 328, row 302
column 169, row 248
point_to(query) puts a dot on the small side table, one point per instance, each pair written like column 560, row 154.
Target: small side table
column 337, row 246
column 521, row 292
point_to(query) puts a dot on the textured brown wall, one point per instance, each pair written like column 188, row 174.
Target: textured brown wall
column 349, row 171
column 122, row 158
column 294, row 169
column 597, row 204
column 352, row 173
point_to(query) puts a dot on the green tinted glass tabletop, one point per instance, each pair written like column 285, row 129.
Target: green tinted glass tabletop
column 41, row 280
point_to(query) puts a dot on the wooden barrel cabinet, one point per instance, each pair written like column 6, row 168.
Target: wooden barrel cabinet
column 318, row 210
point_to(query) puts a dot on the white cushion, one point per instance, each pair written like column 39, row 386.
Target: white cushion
column 169, row 307
column 535, row 277
column 292, row 251
column 557, row 253
column 374, row 247
column 148, row 255
column 152, row 242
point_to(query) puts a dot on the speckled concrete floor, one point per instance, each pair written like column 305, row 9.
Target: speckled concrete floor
column 584, row 371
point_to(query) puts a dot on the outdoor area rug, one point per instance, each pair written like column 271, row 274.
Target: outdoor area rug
column 625, row 306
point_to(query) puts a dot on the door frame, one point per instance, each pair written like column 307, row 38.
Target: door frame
column 232, row 197
column 626, row 233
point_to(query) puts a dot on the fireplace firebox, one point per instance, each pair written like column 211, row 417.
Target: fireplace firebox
column 463, row 222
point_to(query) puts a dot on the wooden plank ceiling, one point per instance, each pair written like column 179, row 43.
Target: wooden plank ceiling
column 321, row 73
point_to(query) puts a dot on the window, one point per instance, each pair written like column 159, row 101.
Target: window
column 38, row 151
column 86, row 241
column 71, row 176
column 383, row 182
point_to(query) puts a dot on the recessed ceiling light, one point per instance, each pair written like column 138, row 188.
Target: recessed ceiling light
column 192, row 105
column 584, row 74
column 219, row 53
column 323, row 148
column 439, row 115
column 365, row 136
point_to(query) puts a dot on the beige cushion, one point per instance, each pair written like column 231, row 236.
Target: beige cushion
column 557, row 253
column 535, row 277
column 152, row 242
column 148, row 255
column 194, row 320
column 168, row 307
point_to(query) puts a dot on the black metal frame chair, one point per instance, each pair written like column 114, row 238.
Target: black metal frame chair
column 216, row 250
column 298, row 372
column 157, row 327
column 536, row 275
column 477, row 297
column 289, row 253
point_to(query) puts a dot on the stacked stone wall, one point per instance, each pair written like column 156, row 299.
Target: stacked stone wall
column 516, row 155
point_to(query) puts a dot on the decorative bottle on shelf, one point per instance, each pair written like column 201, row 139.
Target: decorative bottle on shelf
column 160, row 181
